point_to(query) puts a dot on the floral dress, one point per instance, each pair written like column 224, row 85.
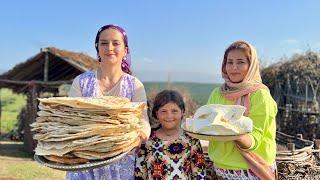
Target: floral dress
column 179, row 159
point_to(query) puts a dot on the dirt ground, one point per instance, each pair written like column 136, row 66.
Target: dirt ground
column 17, row 164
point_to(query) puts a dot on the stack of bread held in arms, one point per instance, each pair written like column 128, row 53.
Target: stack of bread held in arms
column 77, row 130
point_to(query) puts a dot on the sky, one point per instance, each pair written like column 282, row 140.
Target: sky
column 165, row 37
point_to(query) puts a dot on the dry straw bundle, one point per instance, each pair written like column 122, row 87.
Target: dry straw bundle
column 296, row 158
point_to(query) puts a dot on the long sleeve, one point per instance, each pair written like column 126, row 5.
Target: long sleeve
column 197, row 160
column 263, row 113
column 75, row 88
column 139, row 95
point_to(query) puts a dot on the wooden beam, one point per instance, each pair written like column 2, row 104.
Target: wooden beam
column 76, row 65
column 35, row 82
column 0, row 111
column 46, row 67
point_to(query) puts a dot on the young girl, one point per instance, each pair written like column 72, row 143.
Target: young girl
column 170, row 153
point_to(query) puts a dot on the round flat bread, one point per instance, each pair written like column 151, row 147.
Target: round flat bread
column 66, row 160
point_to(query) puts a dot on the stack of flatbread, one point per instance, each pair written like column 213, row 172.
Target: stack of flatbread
column 76, row 130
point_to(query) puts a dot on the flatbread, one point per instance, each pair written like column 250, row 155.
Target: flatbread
column 96, row 155
column 66, row 160
column 84, row 102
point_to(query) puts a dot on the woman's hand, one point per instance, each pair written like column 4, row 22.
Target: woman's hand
column 142, row 138
column 244, row 142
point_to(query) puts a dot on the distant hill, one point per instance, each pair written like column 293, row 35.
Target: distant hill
column 199, row 91
column 177, row 76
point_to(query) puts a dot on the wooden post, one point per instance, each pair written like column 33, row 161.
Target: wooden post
column 317, row 145
column 32, row 108
column 0, row 111
column 299, row 136
column 288, row 99
column 46, row 67
column 306, row 100
column 291, row 146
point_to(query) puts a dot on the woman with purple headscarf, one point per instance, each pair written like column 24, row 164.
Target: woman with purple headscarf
column 112, row 78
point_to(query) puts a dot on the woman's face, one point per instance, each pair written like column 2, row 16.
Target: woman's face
column 237, row 65
column 170, row 116
column 111, row 46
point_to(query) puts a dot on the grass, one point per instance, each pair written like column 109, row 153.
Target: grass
column 16, row 164
column 27, row 169
column 11, row 105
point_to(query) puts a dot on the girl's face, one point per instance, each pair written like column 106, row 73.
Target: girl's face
column 170, row 116
column 111, row 46
column 237, row 66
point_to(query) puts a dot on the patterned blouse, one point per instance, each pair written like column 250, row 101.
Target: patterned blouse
column 179, row 159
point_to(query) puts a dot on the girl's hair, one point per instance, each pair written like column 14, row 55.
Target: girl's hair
column 237, row 45
column 165, row 97
column 126, row 61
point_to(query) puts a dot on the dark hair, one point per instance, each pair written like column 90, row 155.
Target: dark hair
column 165, row 97
column 126, row 62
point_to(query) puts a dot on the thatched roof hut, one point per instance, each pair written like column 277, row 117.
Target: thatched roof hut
column 51, row 67
column 43, row 73
column 295, row 85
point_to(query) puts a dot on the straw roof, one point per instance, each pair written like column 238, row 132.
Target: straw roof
column 63, row 65
column 300, row 68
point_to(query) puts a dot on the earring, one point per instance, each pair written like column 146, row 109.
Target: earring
column 99, row 58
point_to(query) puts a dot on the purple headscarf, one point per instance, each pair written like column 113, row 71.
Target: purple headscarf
column 126, row 61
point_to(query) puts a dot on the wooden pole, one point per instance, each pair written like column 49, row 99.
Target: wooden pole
column 46, row 67
column 299, row 136
column 35, row 82
column 288, row 90
column 291, row 146
column 32, row 110
column 317, row 144
column 0, row 111
column 306, row 100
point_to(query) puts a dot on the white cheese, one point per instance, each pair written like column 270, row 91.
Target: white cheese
column 219, row 120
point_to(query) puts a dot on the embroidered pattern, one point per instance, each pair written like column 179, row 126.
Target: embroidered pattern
column 179, row 159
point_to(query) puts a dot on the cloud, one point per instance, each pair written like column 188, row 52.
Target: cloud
column 297, row 51
column 291, row 41
column 147, row 60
